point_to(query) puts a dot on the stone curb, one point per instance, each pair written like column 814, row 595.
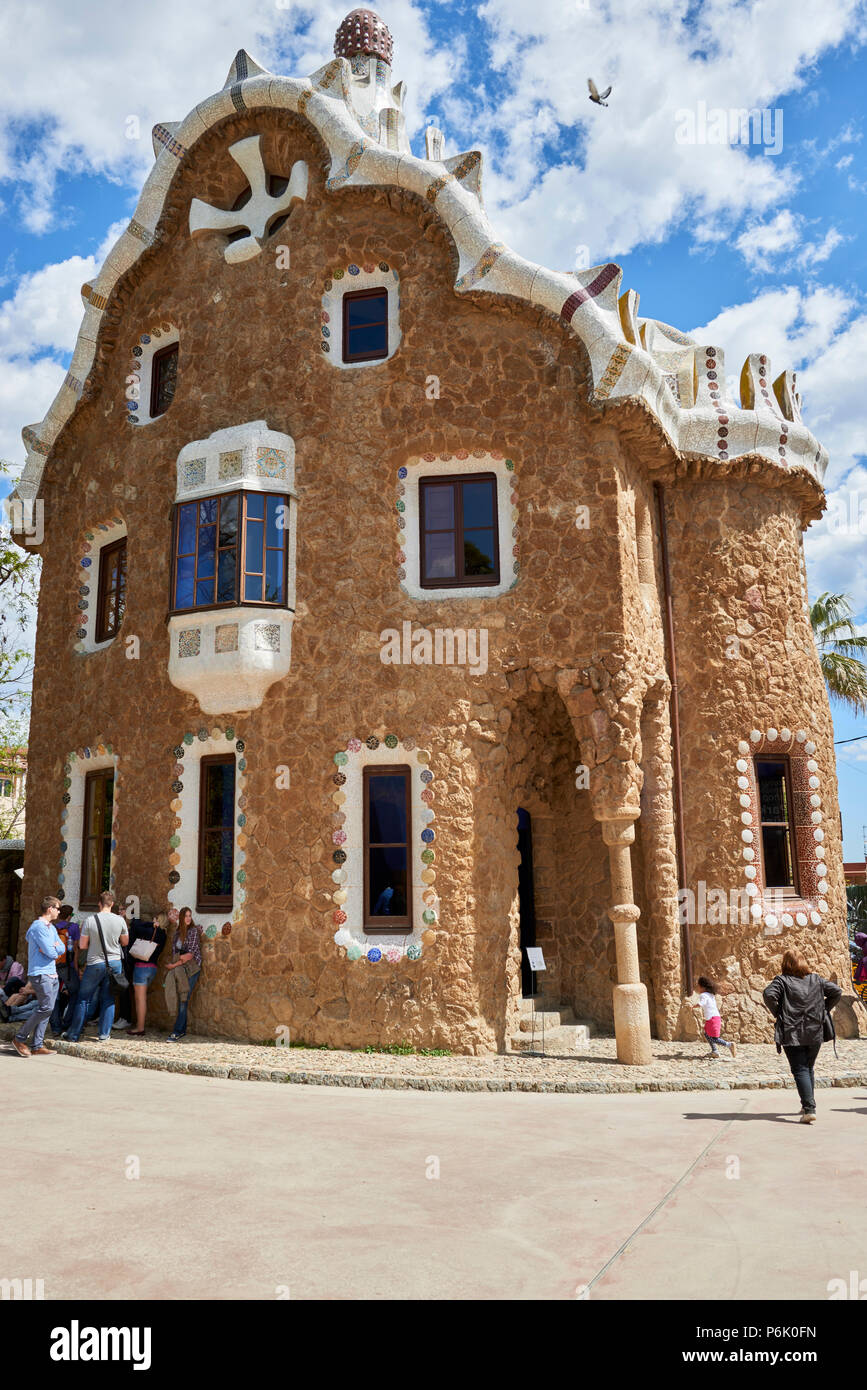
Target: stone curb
column 376, row 1082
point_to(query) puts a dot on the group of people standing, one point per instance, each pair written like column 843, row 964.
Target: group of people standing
column 65, row 994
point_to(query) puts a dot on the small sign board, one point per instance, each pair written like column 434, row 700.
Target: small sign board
column 535, row 959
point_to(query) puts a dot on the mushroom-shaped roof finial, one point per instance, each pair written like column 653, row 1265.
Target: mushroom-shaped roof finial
column 362, row 31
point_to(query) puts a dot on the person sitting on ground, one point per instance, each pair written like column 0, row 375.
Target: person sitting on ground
column 19, row 1004
column 800, row 1002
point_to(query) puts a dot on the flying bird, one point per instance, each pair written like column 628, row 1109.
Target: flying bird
column 596, row 95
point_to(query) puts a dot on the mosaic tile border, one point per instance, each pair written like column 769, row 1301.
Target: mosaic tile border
column 83, row 755
column 351, row 937
column 142, row 353
column 496, row 456
column 204, row 735
column 370, row 275
column 809, row 908
column 88, row 551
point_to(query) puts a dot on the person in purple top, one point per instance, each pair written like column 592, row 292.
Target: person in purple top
column 44, row 949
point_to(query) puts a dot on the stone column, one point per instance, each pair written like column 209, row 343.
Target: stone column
column 631, row 1013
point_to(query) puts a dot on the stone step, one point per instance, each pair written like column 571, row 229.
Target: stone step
column 545, row 1003
column 545, row 1018
column 559, row 1042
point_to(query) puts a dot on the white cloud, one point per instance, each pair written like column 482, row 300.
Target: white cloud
column 761, row 240
column 80, row 74
column 844, row 162
column 815, row 252
column 625, row 179
column 790, row 325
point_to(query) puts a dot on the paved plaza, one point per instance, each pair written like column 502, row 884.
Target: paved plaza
column 314, row 1192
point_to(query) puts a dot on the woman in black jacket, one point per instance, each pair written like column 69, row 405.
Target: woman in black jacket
column 800, row 1001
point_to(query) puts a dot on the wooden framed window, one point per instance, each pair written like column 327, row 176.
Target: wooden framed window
column 230, row 549
column 779, row 857
column 365, row 325
column 5, row 788
column 459, row 540
column 96, row 836
column 387, row 834
column 215, row 875
column 164, row 379
column 111, row 590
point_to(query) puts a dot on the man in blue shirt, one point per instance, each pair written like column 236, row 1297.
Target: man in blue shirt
column 44, row 948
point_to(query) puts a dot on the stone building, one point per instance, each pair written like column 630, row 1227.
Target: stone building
column 373, row 549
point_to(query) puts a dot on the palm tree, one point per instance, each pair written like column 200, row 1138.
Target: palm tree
column 842, row 650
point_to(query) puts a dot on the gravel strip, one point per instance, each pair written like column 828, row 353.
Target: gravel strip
column 680, row 1066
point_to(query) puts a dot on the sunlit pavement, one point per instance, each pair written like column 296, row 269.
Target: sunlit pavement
column 258, row 1191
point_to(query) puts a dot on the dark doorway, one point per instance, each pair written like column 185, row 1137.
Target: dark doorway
column 526, row 897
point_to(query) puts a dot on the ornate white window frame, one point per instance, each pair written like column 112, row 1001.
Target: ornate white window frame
column 87, row 604
column 408, row 511
column 184, row 841
column 768, row 907
column 347, row 845
column 346, row 280
column 78, row 763
column 140, row 373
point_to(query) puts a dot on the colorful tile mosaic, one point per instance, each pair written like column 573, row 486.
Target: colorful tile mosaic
column 613, row 371
column 194, row 473
column 141, row 233
column 226, row 637
column 587, row 292
column 230, row 465
column 139, row 369
column 350, row 935
column 168, row 141
column 270, row 463
column 353, row 159
column 484, row 265
column 190, row 642
column 96, row 301
column 32, row 440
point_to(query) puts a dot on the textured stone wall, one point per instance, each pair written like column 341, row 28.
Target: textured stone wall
column 575, row 667
column 735, row 574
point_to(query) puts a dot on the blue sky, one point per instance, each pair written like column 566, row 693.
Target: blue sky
column 757, row 252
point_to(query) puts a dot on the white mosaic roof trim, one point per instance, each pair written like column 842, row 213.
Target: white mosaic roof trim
column 630, row 358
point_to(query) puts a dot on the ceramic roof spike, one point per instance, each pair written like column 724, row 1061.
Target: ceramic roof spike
column 243, row 66
column 787, row 395
column 362, row 31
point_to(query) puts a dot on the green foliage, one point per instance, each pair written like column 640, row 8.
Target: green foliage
column 856, row 908
column 842, row 651
column 19, row 587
